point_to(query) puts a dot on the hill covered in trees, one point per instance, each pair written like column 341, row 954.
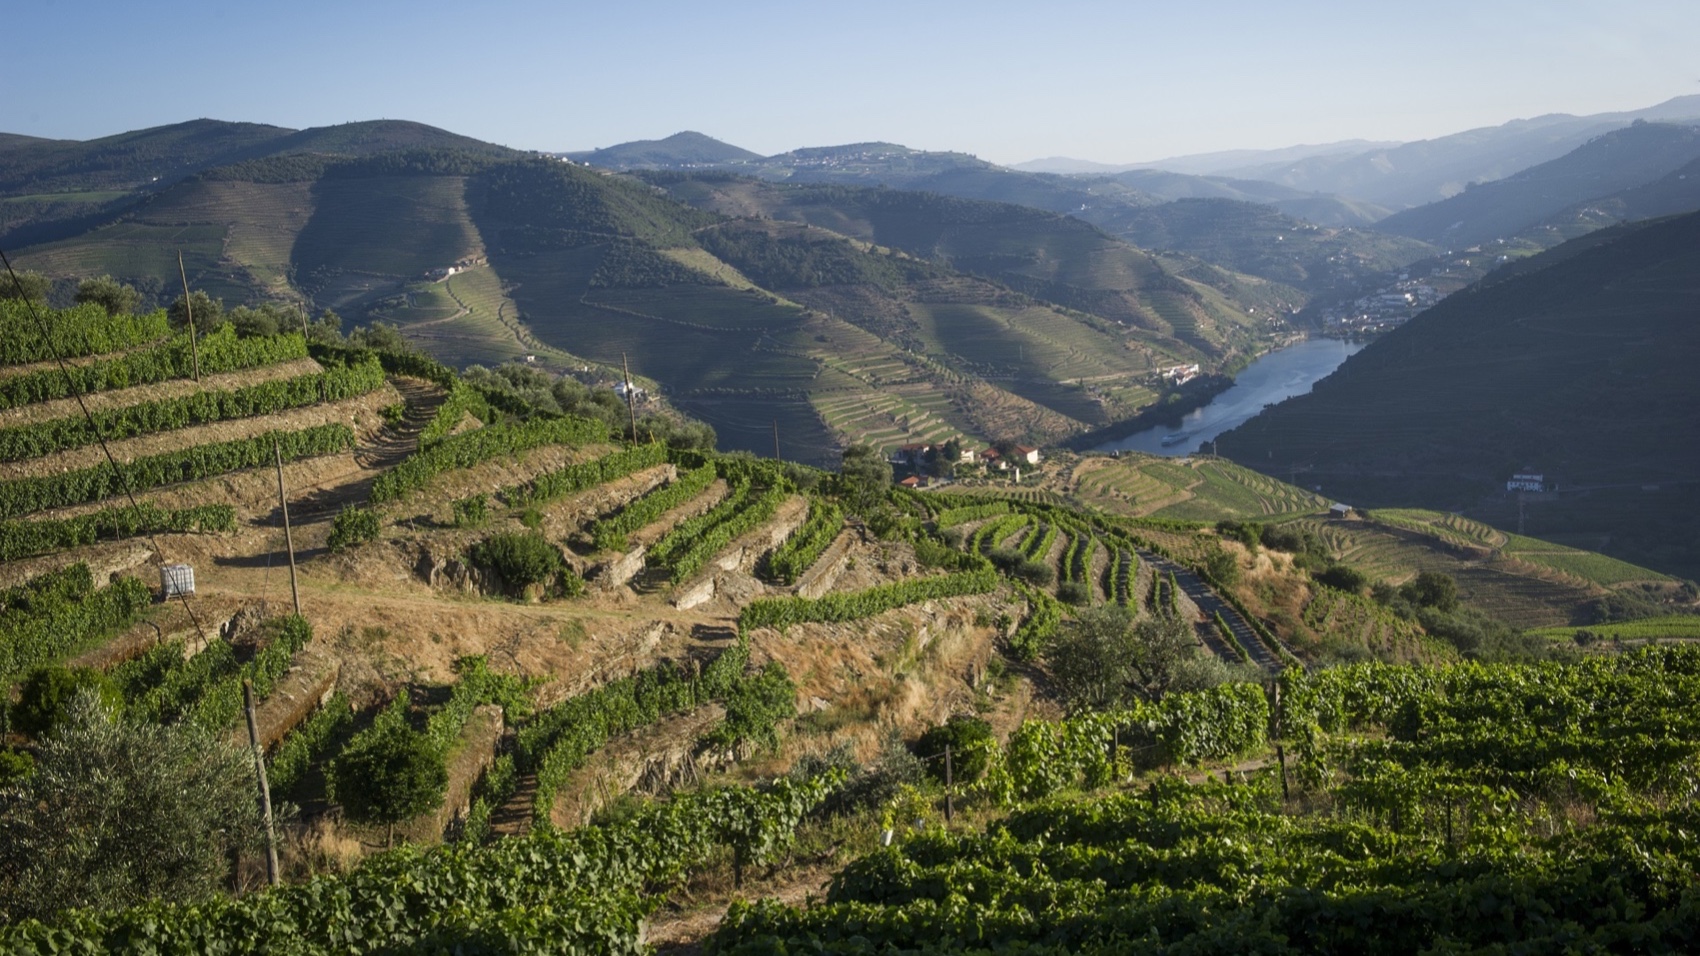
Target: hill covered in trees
column 1573, row 363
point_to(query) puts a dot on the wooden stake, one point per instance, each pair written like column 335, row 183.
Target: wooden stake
column 631, row 404
column 260, row 776
column 776, row 439
column 949, row 781
column 288, row 537
column 189, row 311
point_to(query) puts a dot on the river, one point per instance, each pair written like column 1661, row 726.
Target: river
column 1274, row 378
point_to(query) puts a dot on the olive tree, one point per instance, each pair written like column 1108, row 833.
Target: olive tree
column 117, row 812
column 1106, row 659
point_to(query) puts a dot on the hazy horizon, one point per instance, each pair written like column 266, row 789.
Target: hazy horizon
column 1109, row 83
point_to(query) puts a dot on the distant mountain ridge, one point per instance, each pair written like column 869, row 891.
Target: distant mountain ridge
column 1420, row 172
column 1609, row 163
column 1204, row 164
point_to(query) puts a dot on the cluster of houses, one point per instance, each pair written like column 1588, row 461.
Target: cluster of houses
column 1384, row 309
column 916, row 458
column 443, row 272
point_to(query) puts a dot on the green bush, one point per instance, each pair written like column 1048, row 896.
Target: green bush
column 353, row 525
column 967, row 738
column 472, row 511
column 518, row 559
column 42, row 699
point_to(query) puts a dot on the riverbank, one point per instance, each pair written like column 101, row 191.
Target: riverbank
column 1168, row 412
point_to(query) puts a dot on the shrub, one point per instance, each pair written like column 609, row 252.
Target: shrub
column 353, row 525
column 472, row 511
column 1343, row 578
column 966, row 737
column 518, row 559
column 42, row 700
column 1073, row 592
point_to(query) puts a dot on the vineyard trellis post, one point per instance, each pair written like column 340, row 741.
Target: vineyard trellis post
column 949, row 785
column 288, row 537
column 189, row 313
column 260, row 778
column 631, row 400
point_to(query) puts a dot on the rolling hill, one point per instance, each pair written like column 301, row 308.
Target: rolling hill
column 1611, row 163
column 53, row 189
column 1574, row 363
column 687, row 148
column 931, row 325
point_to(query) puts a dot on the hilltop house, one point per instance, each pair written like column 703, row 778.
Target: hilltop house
column 1026, row 454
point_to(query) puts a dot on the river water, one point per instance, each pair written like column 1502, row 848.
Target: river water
column 1274, row 378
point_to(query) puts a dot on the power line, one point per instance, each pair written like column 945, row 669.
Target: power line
column 100, row 436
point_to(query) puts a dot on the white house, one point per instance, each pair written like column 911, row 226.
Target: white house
column 1526, row 481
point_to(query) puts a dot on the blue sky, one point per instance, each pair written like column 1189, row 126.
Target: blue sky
column 1113, row 82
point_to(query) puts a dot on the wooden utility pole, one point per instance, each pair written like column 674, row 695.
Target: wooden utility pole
column 189, row 311
column 776, row 439
column 288, row 537
column 260, row 777
column 631, row 400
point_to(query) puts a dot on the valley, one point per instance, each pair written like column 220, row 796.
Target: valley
column 668, row 548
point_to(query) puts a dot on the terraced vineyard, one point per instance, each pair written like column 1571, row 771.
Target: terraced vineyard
column 1199, row 489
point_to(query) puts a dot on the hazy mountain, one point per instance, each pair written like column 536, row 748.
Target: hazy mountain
column 1320, row 209
column 1263, row 241
column 681, row 149
column 1577, row 363
column 1675, row 192
column 1203, row 164
column 1421, row 172
column 1610, row 163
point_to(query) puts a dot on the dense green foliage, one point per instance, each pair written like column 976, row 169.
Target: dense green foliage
column 952, row 517
column 585, row 474
column 573, row 893
column 523, row 559
column 308, row 743
column 788, row 563
column 463, row 400
column 206, row 689
column 1036, row 630
column 22, row 496
column 472, row 511
column 610, row 533
column 116, row 813
column 21, row 539
column 43, row 438
column 470, row 448
column 87, row 329
column 220, row 351
column 58, row 613
column 559, row 740
column 690, row 546
column 352, row 525
column 388, row 773
column 783, row 612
